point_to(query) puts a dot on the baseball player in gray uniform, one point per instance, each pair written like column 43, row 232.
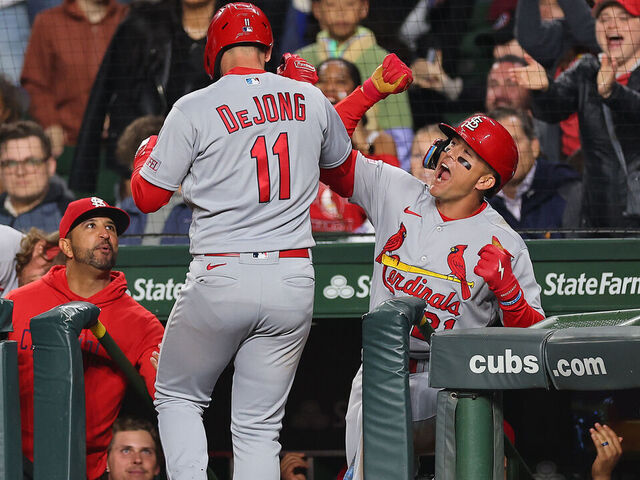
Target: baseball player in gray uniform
column 443, row 243
column 247, row 151
column 9, row 246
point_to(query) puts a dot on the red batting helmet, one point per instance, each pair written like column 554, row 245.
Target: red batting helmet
column 491, row 141
column 235, row 24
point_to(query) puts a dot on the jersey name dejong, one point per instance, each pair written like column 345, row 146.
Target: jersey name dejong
column 606, row 284
column 267, row 109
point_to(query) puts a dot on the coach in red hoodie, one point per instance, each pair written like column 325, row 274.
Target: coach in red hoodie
column 89, row 233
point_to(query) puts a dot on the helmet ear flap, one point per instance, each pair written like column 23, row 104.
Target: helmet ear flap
column 433, row 154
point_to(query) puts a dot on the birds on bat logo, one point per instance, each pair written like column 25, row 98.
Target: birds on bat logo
column 456, row 263
column 417, row 286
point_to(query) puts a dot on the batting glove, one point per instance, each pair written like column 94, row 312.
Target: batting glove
column 495, row 267
column 297, row 68
column 393, row 76
column 144, row 151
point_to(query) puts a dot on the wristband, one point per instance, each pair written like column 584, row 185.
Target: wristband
column 515, row 300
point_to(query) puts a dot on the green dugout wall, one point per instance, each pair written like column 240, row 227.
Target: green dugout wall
column 575, row 275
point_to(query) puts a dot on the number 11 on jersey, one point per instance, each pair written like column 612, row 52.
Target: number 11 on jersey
column 281, row 150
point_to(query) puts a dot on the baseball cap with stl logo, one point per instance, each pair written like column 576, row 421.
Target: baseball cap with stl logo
column 90, row 207
column 631, row 6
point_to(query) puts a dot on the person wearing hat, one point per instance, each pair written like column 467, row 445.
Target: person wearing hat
column 442, row 242
column 89, row 232
column 605, row 92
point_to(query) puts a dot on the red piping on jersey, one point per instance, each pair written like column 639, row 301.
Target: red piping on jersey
column 147, row 196
column 244, row 71
column 447, row 219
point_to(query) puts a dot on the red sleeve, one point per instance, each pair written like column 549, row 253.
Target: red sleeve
column 352, row 108
column 147, row 196
column 520, row 313
column 340, row 179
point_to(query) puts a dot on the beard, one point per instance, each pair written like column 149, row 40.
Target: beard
column 88, row 256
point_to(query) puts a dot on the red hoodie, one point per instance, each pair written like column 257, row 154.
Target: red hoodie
column 136, row 330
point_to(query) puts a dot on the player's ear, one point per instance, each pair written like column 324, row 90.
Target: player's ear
column 65, row 247
column 486, row 182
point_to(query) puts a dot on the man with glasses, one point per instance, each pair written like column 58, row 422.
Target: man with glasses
column 32, row 197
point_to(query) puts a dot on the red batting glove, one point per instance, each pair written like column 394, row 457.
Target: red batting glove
column 495, row 267
column 393, row 76
column 144, row 151
column 297, row 68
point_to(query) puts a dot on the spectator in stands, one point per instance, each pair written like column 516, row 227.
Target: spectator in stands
column 609, row 450
column 89, row 233
column 541, row 194
column 555, row 33
column 134, row 451
column 343, row 36
column 11, row 108
column 14, row 35
column 63, row 56
column 337, row 78
column 154, row 58
column 605, row 92
column 38, row 253
column 32, row 198
column 422, row 140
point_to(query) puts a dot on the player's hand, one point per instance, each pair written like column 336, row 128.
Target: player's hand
column 606, row 75
column 393, row 76
column 495, row 267
column 608, row 454
column 297, row 68
column 293, row 466
column 154, row 358
column 144, row 151
column 533, row 76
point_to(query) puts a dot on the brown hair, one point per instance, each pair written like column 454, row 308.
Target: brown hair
column 133, row 135
column 25, row 129
column 130, row 424
column 28, row 243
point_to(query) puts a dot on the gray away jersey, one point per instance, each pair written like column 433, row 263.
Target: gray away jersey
column 9, row 247
column 416, row 251
column 247, row 152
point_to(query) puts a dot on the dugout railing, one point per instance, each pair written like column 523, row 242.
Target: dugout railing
column 560, row 353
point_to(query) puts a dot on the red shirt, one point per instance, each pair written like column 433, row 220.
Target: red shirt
column 136, row 331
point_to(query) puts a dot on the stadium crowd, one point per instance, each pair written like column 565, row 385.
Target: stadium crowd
column 84, row 82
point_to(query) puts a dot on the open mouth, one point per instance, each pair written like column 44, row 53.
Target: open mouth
column 614, row 41
column 443, row 173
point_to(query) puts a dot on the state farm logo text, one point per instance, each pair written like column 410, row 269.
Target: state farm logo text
column 514, row 363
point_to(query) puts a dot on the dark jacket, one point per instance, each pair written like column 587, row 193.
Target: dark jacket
column 611, row 194
column 552, row 202
column 150, row 63
column 45, row 216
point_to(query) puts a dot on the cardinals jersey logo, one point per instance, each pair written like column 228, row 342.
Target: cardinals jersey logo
column 395, row 242
column 455, row 260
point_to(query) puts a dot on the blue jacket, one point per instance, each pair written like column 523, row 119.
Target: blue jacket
column 552, row 202
column 178, row 222
column 45, row 216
